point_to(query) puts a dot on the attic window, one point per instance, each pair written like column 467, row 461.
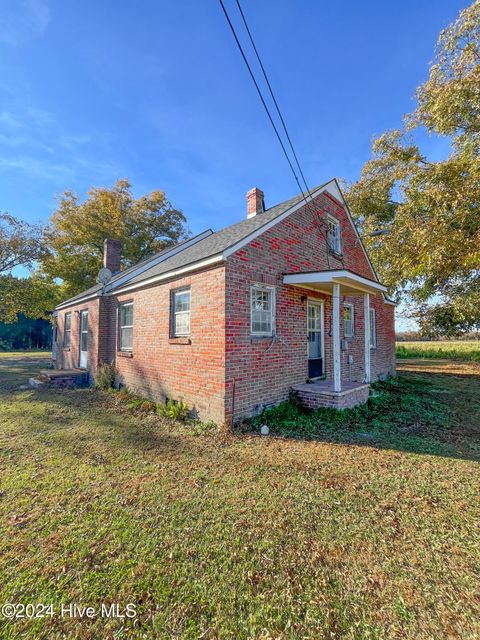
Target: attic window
column 334, row 235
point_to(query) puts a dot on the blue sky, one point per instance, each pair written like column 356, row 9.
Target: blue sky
column 157, row 92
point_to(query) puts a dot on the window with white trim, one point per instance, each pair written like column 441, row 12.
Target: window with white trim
column 262, row 310
column 125, row 326
column 373, row 330
column 334, row 235
column 67, row 330
column 180, row 312
column 348, row 320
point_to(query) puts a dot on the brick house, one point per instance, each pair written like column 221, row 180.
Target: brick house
column 232, row 321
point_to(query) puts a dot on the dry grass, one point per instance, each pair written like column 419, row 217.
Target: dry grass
column 233, row 537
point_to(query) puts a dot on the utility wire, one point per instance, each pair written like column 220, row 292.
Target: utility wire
column 232, row 28
column 261, row 95
column 273, row 96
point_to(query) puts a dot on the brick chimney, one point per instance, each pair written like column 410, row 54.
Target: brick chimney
column 255, row 202
column 111, row 254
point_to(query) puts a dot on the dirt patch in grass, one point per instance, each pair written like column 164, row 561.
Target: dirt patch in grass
column 232, row 537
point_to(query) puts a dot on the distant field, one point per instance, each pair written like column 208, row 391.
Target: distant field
column 449, row 349
column 34, row 353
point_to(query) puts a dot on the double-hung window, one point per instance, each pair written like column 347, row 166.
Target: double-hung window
column 373, row 330
column 180, row 313
column 262, row 310
column 67, row 330
column 334, row 236
column 348, row 320
column 125, row 326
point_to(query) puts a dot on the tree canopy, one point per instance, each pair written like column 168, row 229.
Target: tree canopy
column 77, row 230
column 20, row 243
column 429, row 210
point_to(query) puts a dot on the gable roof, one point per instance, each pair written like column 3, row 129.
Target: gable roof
column 206, row 248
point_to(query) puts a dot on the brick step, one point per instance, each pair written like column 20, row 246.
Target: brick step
column 61, row 379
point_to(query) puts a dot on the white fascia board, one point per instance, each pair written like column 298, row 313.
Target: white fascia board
column 134, row 272
column 72, row 303
column 169, row 274
column 148, row 264
column 241, row 243
column 333, row 277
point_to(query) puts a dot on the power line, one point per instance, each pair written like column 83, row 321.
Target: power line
column 260, row 95
column 232, row 28
column 273, row 96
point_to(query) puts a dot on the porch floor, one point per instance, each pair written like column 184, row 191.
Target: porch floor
column 322, row 394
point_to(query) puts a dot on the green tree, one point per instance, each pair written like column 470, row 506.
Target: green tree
column 430, row 209
column 21, row 245
column 77, row 231
column 34, row 297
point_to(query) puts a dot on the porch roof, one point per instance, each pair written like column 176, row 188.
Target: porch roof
column 351, row 283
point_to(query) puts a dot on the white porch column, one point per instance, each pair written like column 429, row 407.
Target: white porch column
column 366, row 314
column 337, row 372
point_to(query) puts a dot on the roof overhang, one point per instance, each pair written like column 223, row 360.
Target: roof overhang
column 350, row 283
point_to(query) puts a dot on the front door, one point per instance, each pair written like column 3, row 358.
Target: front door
column 315, row 338
column 83, row 339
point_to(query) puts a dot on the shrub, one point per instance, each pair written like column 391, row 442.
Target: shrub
column 141, row 404
column 173, row 410
column 105, row 377
column 201, row 428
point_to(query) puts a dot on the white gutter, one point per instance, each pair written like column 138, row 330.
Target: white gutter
column 77, row 301
column 171, row 274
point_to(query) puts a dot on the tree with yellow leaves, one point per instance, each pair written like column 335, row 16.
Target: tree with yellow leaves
column 429, row 211
column 74, row 239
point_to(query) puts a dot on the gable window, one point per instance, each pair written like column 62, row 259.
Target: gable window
column 348, row 320
column 125, row 326
column 180, row 312
column 373, row 330
column 262, row 310
column 334, row 236
column 67, row 330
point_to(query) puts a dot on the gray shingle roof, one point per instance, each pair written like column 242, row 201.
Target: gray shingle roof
column 212, row 245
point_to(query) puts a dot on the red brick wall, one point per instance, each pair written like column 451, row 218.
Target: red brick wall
column 261, row 370
column 162, row 367
column 69, row 358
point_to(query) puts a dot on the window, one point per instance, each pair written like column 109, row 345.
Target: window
column 180, row 306
column 373, row 330
column 334, row 238
column 67, row 330
column 348, row 320
column 125, row 326
column 262, row 301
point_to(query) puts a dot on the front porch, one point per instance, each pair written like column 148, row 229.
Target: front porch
column 322, row 394
column 338, row 392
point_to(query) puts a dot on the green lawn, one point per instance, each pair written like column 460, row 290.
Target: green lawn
column 238, row 536
column 450, row 349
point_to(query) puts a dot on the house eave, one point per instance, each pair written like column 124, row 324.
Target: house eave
column 323, row 281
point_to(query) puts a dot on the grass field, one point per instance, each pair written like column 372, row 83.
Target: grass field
column 450, row 349
column 238, row 536
column 26, row 354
